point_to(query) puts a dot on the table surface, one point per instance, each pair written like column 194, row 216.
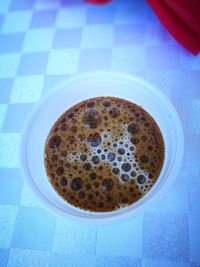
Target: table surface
column 41, row 43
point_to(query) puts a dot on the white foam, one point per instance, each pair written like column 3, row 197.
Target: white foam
column 121, row 143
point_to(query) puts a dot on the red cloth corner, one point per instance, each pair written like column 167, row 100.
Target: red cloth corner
column 182, row 19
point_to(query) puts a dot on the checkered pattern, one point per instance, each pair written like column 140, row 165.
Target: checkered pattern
column 41, row 43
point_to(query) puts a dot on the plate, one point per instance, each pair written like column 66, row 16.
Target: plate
column 81, row 87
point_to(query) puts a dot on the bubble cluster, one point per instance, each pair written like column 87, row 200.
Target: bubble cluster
column 103, row 154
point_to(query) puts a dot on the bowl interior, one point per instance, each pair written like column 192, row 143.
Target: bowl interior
column 87, row 86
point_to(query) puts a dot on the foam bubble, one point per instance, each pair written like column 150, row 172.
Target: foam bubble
column 94, row 139
column 126, row 167
column 121, row 151
column 111, row 156
column 83, row 157
column 54, row 141
column 107, row 184
column 76, row 184
column 144, row 159
column 124, row 177
column 59, row 171
column 93, row 175
column 141, row 179
column 95, row 159
column 133, row 128
column 63, row 181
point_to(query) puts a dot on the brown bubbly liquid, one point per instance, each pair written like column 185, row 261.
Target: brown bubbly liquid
column 103, row 154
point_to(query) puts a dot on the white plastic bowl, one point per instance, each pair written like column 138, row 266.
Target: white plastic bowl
column 86, row 86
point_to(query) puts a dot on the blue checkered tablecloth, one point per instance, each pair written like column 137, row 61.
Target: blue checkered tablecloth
column 41, row 43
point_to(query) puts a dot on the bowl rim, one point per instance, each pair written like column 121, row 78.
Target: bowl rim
column 179, row 150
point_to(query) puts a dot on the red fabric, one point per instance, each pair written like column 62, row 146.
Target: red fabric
column 182, row 19
column 98, row 2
